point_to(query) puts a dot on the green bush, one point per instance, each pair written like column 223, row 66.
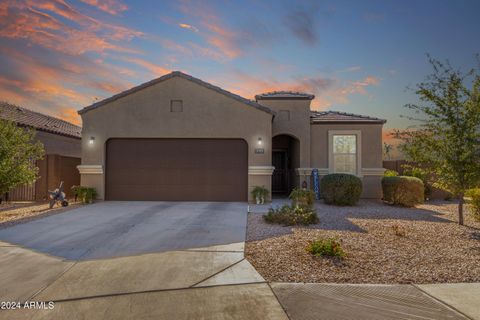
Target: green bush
column 84, row 194
column 291, row 215
column 330, row 247
column 302, row 197
column 474, row 201
column 341, row 189
column 421, row 174
column 403, row 191
column 390, row 173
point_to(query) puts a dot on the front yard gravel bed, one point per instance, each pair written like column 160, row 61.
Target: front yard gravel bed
column 20, row 213
column 435, row 248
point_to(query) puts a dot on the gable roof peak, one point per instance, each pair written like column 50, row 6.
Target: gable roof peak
column 184, row 76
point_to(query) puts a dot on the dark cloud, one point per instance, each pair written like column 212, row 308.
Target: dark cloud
column 317, row 84
column 302, row 23
column 256, row 33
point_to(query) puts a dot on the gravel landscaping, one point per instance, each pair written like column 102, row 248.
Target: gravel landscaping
column 434, row 247
column 14, row 213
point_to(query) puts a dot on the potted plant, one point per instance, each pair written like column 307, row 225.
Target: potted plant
column 84, row 194
column 259, row 194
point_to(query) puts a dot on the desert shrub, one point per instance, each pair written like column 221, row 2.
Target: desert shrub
column 421, row 174
column 302, row 197
column 341, row 189
column 259, row 194
column 402, row 190
column 330, row 247
column 390, row 173
column 474, row 201
column 399, row 231
column 84, row 194
column 291, row 215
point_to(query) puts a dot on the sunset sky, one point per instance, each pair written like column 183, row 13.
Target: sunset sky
column 355, row 56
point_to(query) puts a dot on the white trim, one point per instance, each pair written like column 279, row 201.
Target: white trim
column 357, row 133
column 90, row 169
column 308, row 171
column 260, row 170
column 373, row 171
column 323, row 171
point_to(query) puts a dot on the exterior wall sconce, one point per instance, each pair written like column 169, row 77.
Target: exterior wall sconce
column 92, row 140
column 259, row 141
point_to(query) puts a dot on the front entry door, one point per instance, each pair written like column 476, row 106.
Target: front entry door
column 280, row 174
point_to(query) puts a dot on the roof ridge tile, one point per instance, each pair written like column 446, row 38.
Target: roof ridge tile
column 37, row 120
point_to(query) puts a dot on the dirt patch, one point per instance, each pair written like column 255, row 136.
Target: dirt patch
column 433, row 249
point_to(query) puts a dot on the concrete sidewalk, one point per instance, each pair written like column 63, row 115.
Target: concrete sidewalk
column 464, row 297
column 213, row 282
column 203, row 283
column 372, row 302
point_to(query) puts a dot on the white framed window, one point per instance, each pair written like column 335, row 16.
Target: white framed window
column 344, row 151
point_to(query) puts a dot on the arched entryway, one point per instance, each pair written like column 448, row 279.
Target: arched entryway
column 285, row 159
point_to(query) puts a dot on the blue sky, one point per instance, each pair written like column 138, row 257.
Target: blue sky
column 355, row 56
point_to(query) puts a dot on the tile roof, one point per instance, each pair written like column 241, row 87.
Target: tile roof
column 39, row 121
column 285, row 95
column 185, row 76
column 341, row 117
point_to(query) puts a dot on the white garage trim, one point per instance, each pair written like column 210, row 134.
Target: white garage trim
column 90, row 169
column 260, row 170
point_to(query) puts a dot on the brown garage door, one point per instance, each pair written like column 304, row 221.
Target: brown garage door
column 177, row 169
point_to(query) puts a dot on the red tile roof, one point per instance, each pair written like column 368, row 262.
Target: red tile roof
column 38, row 121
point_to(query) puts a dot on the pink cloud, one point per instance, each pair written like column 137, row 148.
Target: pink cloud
column 110, row 6
column 153, row 68
column 329, row 91
column 25, row 20
column 188, row 27
column 216, row 33
column 70, row 115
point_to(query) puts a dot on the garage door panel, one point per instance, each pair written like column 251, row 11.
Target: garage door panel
column 177, row 169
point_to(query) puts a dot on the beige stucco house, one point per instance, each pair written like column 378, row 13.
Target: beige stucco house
column 180, row 138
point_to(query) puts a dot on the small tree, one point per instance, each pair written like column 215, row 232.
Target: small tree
column 446, row 142
column 18, row 152
column 387, row 150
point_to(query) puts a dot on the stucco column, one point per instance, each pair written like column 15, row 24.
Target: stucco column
column 260, row 176
column 93, row 176
column 304, row 174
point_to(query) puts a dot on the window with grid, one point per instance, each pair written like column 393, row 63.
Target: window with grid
column 345, row 154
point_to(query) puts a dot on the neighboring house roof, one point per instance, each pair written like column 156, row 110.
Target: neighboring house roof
column 341, row 117
column 285, row 95
column 184, row 76
column 39, row 121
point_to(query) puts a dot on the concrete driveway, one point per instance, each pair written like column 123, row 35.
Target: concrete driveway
column 121, row 228
column 135, row 260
